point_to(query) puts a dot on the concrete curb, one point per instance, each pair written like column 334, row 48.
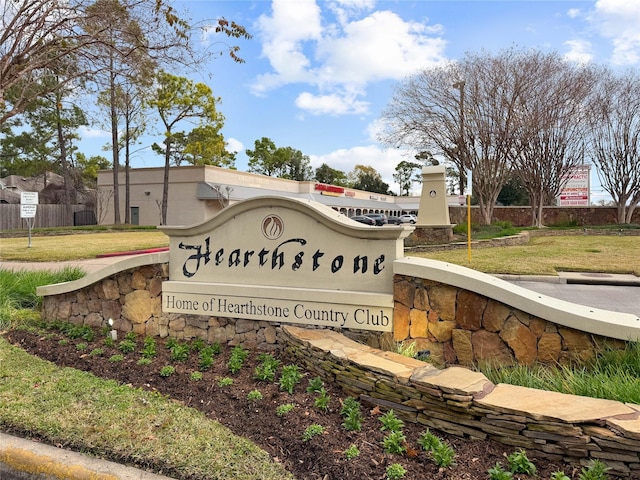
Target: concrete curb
column 22, row 459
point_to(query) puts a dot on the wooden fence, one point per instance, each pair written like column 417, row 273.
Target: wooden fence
column 46, row 216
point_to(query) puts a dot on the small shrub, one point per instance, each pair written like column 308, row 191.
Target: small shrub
column 144, row 361
column 197, row 345
column 131, row 336
column 559, row 476
column 312, row 431
column 315, row 385
column 205, row 362
column 395, row 471
column 597, row 470
column 180, row 352
column 167, row 371
column 353, row 421
column 443, row 455
column 109, row 342
column 408, row 349
column 170, row 343
column 254, row 395
column 116, row 358
column 96, row 352
column 81, row 346
column 498, row 473
column 149, row 349
column 64, row 341
column 351, row 452
column 237, row 358
column 266, row 370
column 225, row 382
column 395, row 443
column 428, row 441
column 289, row 378
column 322, row 400
column 196, row 376
column 349, row 405
column 391, row 422
column 127, row 346
column 282, row 410
column 519, row 463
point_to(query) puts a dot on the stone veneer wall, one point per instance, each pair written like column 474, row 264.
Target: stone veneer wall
column 133, row 300
column 464, row 403
column 462, row 327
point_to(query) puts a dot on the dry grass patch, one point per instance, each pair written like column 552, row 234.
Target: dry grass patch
column 58, row 248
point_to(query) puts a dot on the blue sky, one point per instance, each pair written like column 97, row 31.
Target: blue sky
column 319, row 73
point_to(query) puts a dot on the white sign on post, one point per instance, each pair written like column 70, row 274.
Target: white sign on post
column 29, row 198
column 28, row 207
column 28, row 210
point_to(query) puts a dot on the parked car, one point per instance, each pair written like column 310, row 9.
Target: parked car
column 408, row 218
column 394, row 220
column 379, row 218
column 364, row 219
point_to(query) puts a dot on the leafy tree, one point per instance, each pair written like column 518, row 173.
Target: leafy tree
column 295, row 165
column 326, row 174
column 614, row 121
column 282, row 162
column 178, row 99
column 513, row 193
column 405, row 176
column 368, row 179
column 88, row 167
column 263, row 159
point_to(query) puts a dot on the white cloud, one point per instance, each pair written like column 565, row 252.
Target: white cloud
column 85, row 132
column 234, row 145
column 619, row 20
column 579, row 51
column 332, row 104
column 342, row 58
column 384, row 161
column 573, row 12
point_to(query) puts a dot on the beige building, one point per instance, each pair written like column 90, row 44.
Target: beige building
column 197, row 193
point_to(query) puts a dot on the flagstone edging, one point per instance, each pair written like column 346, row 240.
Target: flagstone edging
column 465, row 403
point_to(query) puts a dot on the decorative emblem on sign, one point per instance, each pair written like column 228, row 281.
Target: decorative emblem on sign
column 432, row 193
column 272, row 227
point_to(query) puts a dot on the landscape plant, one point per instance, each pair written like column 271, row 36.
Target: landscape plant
column 290, row 377
column 254, row 395
column 520, row 463
column 321, row 402
column 285, row 408
column 391, row 422
column 315, row 385
column 312, row 431
column 351, row 452
column 225, row 382
column 267, row 369
column 237, row 359
column 167, row 371
column 395, row 442
column 395, row 471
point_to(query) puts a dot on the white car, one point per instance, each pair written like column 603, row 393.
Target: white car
column 407, row 218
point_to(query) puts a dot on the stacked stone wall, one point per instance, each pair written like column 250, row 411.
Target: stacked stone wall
column 132, row 299
column 464, row 403
column 461, row 327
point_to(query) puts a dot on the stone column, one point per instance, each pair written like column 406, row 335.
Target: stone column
column 433, row 225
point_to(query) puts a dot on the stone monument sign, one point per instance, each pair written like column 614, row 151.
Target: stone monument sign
column 284, row 260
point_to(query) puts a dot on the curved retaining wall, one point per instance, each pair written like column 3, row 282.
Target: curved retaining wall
column 462, row 402
column 460, row 315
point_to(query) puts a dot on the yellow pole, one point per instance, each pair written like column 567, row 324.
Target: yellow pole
column 469, row 227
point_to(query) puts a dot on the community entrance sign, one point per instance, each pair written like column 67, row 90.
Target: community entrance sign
column 284, row 260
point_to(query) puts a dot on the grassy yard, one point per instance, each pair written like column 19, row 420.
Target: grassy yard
column 550, row 255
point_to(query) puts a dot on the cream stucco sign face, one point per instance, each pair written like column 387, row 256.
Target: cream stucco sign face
column 284, row 260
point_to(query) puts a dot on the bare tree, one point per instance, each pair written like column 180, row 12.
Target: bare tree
column 614, row 119
column 551, row 127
